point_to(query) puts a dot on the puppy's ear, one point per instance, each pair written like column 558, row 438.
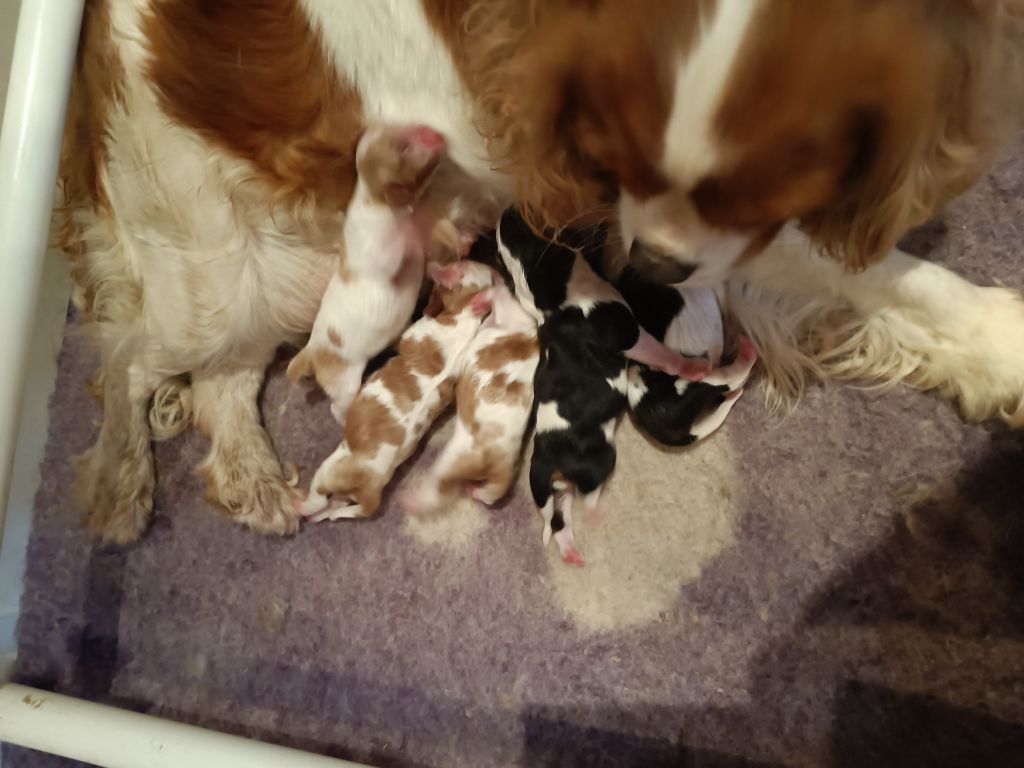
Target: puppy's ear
column 435, row 304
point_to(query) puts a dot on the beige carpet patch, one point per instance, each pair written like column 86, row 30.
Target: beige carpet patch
column 456, row 527
column 665, row 514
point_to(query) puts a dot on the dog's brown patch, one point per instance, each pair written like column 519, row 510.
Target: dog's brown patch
column 454, row 302
column 327, row 364
column 401, row 382
column 422, row 355
column 500, row 389
column 349, row 478
column 446, row 393
column 252, row 77
column 466, row 401
column 521, row 346
column 369, row 424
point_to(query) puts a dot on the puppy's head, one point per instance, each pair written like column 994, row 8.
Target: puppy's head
column 455, row 284
column 396, row 162
column 711, row 123
column 539, row 267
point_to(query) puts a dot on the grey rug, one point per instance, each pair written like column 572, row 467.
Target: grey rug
column 842, row 588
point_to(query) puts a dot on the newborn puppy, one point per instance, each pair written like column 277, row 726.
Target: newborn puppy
column 678, row 412
column 371, row 297
column 494, row 398
column 400, row 401
column 671, row 410
column 580, row 387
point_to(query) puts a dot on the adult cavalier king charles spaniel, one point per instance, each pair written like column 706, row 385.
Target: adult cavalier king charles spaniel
column 775, row 148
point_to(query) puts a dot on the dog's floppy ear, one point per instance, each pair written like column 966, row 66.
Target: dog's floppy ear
column 594, row 96
column 929, row 134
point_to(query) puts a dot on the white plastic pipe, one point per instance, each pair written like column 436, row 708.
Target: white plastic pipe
column 37, row 97
column 116, row 738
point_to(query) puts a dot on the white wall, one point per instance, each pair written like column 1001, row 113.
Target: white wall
column 42, row 370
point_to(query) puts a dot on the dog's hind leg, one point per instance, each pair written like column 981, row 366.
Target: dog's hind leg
column 115, row 477
column 562, row 526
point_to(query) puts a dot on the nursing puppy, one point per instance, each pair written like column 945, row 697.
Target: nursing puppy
column 373, row 293
column 494, row 399
column 671, row 410
column 580, row 387
column 400, row 401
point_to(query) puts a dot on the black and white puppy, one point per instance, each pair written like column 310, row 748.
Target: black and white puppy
column 670, row 409
column 580, row 388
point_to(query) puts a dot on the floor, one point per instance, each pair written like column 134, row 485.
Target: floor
column 42, row 369
column 843, row 587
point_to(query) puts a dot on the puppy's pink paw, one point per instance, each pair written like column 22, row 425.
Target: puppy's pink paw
column 482, row 303
column 447, row 276
column 746, row 349
column 426, row 138
column 693, row 370
column 572, row 556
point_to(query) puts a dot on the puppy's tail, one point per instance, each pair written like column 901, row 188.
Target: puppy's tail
column 170, row 411
column 300, row 366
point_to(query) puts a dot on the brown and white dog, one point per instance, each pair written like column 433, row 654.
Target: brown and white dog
column 396, row 407
column 209, row 157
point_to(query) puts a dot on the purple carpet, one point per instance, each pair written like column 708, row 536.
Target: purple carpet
column 841, row 588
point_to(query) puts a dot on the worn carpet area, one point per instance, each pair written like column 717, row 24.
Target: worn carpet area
column 842, row 587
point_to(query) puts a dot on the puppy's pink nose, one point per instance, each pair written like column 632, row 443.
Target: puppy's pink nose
column 427, row 138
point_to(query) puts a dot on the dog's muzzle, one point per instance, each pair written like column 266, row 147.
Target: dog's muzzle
column 657, row 266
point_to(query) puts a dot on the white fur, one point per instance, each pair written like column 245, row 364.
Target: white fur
column 586, row 289
column 620, row 383
column 522, row 287
column 669, row 222
column 549, row 419
column 690, row 148
column 697, row 330
column 902, row 320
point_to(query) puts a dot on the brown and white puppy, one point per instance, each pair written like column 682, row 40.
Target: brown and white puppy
column 400, row 401
column 494, row 398
column 372, row 295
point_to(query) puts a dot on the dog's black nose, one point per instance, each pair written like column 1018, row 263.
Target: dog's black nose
column 657, row 266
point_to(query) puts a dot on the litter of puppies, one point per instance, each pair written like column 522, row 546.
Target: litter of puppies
column 547, row 342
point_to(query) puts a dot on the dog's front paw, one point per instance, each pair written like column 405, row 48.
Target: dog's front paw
column 254, row 494
column 990, row 381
